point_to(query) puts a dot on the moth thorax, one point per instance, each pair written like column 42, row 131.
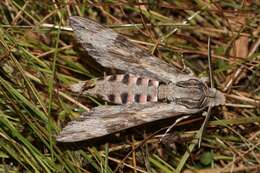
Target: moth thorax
column 191, row 93
column 127, row 89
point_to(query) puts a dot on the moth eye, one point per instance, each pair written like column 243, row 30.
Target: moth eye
column 125, row 79
column 149, row 98
column 139, row 81
column 111, row 98
column 137, row 98
column 112, row 78
column 150, row 83
column 124, row 97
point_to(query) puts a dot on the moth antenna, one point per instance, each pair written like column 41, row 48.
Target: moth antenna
column 204, row 125
column 209, row 64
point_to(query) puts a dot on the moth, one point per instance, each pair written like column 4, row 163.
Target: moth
column 148, row 90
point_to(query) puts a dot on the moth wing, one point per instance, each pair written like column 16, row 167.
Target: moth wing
column 105, row 120
column 113, row 50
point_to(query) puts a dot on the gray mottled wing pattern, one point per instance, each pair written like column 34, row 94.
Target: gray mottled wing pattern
column 113, row 50
column 105, row 120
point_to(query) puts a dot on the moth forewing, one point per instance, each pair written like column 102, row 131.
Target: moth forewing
column 112, row 49
column 104, row 120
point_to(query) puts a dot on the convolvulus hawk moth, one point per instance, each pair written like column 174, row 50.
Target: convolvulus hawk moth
column 149, row 90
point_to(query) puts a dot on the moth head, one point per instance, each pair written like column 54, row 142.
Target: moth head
column 216, row 97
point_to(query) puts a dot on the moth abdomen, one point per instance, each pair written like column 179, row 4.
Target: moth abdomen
column 126, row 89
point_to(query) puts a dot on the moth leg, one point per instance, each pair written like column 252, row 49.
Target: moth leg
column 173, row 125
column 105, row 75
column 187, row 69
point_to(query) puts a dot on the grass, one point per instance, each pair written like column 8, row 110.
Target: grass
column 39, row 60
